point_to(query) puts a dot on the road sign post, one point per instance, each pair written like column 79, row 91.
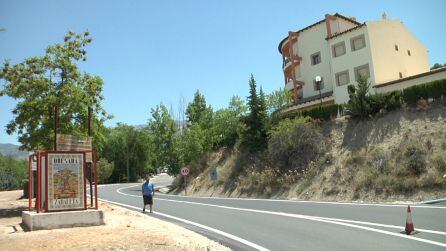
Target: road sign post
column 214, row 177
column 185, row 171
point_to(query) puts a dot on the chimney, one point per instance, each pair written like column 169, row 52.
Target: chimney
column 352, row 18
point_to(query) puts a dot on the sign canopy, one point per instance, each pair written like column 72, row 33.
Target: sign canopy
column 65, row 142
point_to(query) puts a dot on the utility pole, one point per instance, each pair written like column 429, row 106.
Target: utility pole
column 318, row 80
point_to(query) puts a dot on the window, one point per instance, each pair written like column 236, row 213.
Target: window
column 362, row 70
column 338, row 49
column 357, row 43
column 401, row 75
column 316, row 86
column 396, row 47
column 316, row 58
column 342, row 78
column 408, row 52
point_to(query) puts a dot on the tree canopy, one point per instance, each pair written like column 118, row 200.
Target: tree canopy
column 52, row 85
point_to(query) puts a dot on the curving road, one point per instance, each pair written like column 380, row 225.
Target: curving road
column 260, row 224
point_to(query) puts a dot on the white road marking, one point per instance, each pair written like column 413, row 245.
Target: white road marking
column 432, row 201
column 327, row 220
column 227, row 235
column 316, row 218
column 417, row 205
column 324, row 218
column 414, row 205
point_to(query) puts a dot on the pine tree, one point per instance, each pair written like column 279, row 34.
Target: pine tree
column 255, row 135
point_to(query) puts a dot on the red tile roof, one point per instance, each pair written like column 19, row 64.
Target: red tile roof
column 346, row 31
column 321, row 21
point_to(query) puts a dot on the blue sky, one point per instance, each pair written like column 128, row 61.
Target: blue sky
column 149, row 52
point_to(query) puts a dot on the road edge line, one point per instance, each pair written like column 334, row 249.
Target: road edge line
column 315, row 218
column 227, row 235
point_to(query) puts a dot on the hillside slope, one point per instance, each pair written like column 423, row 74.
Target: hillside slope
column 13, row 151
column 398, row 156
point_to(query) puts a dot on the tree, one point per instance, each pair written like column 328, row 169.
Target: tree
column 193, row 144
column 238, row 106
column 197, row 112
column 164, row 131
column 359, row 104
column 254, row 137
column 127, row 148
column 437, row 66
column 105, row 169
column 279, row 99
column 263, row 113
column 12, row 172
column 49, row 88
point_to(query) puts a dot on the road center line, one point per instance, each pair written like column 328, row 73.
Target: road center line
column 413, row 205
column 227, row 235
column 416, row 205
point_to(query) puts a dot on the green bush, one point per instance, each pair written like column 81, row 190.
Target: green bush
column 388, row 101
column 359, row 104
column 12, row 172
column 434, row 89
column 414, row 159
column 293, row 144
column 324, row 112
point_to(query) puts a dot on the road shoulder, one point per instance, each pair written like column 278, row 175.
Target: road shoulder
column 124, row 230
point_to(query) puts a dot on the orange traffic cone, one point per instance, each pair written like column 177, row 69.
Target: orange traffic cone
column 409, row 224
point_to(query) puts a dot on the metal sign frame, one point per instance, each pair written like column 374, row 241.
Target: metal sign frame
column 44, row 196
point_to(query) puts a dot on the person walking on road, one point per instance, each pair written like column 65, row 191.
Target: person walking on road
column 148, row 192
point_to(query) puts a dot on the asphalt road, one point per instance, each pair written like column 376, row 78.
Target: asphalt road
column 250, row 224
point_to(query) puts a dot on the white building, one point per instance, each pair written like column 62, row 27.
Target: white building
column 339, row 49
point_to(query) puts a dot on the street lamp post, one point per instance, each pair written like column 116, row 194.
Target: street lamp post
column 318, row 80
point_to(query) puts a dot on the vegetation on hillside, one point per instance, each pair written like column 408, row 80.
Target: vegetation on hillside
column 12, row 173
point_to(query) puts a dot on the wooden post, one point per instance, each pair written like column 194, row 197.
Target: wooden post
column 30, row 178
column 39, row 169
column 56, row 118
column 95, row 180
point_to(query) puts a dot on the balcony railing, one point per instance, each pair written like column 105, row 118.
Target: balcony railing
column 286, row 63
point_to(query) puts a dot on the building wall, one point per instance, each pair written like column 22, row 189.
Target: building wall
column 339, row 25
column 383, row 36
column 411, row 82
column 349, row 61
column 311, row 41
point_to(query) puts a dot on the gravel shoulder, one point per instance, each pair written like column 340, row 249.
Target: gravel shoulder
column 123, row 230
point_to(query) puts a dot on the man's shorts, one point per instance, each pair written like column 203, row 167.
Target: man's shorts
column 147, row 199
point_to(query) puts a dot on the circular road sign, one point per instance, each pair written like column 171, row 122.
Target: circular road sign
column 184, row 171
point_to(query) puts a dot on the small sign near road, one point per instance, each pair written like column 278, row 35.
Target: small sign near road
column 213, row 174
column 184, row 171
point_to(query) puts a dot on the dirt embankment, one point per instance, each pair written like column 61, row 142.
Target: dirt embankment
column 124, row 230
column 399, row 156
